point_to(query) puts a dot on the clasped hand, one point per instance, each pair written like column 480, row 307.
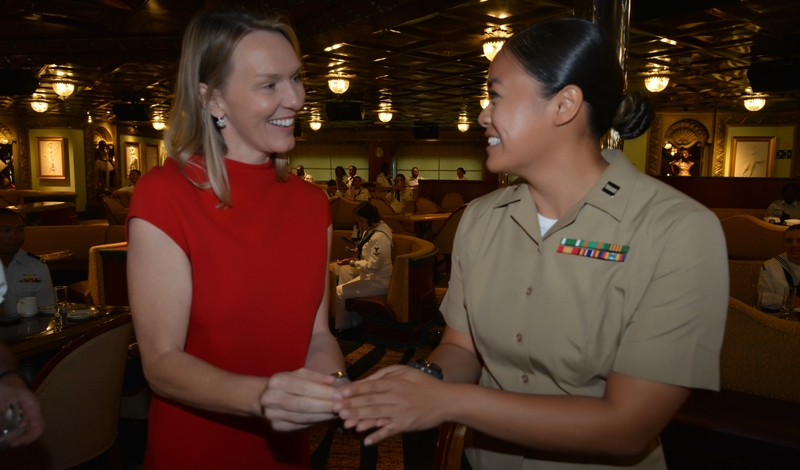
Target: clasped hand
column 394, row 400
column 298, row 399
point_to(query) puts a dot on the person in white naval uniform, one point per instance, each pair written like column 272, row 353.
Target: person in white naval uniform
column 781, row 271
column 368, row 272
column 300, row 171
column 399, row 195
column 26, row 275
column 356, row 192
column 384, row 180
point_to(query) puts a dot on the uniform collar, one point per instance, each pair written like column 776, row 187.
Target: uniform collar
column 612, row 191
column 609, row 194
column 22, row 257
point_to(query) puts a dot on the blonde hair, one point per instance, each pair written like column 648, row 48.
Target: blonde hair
column 206, row 52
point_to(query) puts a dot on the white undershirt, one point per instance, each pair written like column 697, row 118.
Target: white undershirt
column 546, row 224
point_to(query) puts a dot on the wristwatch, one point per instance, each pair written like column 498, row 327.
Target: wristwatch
column 429, row 368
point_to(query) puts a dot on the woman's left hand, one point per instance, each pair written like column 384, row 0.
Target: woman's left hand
column 400, row 400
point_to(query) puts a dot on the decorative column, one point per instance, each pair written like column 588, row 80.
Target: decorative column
column 613, row 17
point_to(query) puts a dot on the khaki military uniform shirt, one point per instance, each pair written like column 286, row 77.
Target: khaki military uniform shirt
column 547, row 322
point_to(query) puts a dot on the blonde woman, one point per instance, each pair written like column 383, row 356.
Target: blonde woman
column 233, row 349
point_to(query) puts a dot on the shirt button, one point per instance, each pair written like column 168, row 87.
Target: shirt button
column 528, row 290
column 524, row 378
column 519, row 337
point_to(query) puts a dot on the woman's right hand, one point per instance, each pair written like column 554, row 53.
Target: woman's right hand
column 343, row 262
column 298, row 399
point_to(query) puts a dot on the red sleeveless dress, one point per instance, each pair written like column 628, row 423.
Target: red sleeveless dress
column 258, row 273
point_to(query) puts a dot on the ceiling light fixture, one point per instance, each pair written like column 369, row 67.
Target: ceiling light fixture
column 315, row 125
column 656, row 83
column 158, row 123
column 338, row 83
column 754, row 104
column 63, row 89
column 484, row 103
column 463, row 122
column 385, row 111
column 494, row 40
column 38, row 104
column 492, row 46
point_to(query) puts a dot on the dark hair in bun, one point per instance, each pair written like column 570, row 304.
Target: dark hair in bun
column 571, row 51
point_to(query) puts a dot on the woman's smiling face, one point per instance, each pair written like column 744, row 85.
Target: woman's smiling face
column 515, row 119
column 261, row 96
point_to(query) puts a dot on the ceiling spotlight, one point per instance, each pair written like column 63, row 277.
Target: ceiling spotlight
column 39, row 104
column 63, row 89
column 656, row 83
column 754, row 104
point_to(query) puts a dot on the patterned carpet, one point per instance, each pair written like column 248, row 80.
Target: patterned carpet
column 333, row 451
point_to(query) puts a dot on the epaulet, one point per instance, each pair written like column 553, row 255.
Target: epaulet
column 36, row 257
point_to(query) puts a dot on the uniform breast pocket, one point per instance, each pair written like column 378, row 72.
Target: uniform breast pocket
column 28, row 289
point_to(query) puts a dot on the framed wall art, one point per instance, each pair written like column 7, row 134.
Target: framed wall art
column 752, row 157
column 52, row 162
column 132, row 158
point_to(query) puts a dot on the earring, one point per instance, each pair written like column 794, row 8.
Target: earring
column 221, row 122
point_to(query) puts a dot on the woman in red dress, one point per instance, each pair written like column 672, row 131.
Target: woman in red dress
column 227, row 283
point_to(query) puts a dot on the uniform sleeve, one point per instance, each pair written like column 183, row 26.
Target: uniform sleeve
column 675, row 334
column 379, row 253
column 771, row 285
column 774, row 209
column 156, row 202
column 453, row 306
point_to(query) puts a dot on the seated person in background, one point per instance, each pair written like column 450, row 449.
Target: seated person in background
column 781, row 271
column 352, row 172
column 384, row 180
column 300, row 171
column 124, row 194
column 461, row 174
column 415, row 178
column 368, row 271
column 341, row 179
column 357, row 193
column 789, row 207
column 400, row 194
column 331, row 191
column 27, row 276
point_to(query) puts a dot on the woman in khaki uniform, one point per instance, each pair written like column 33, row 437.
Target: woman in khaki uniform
column 588, row 301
